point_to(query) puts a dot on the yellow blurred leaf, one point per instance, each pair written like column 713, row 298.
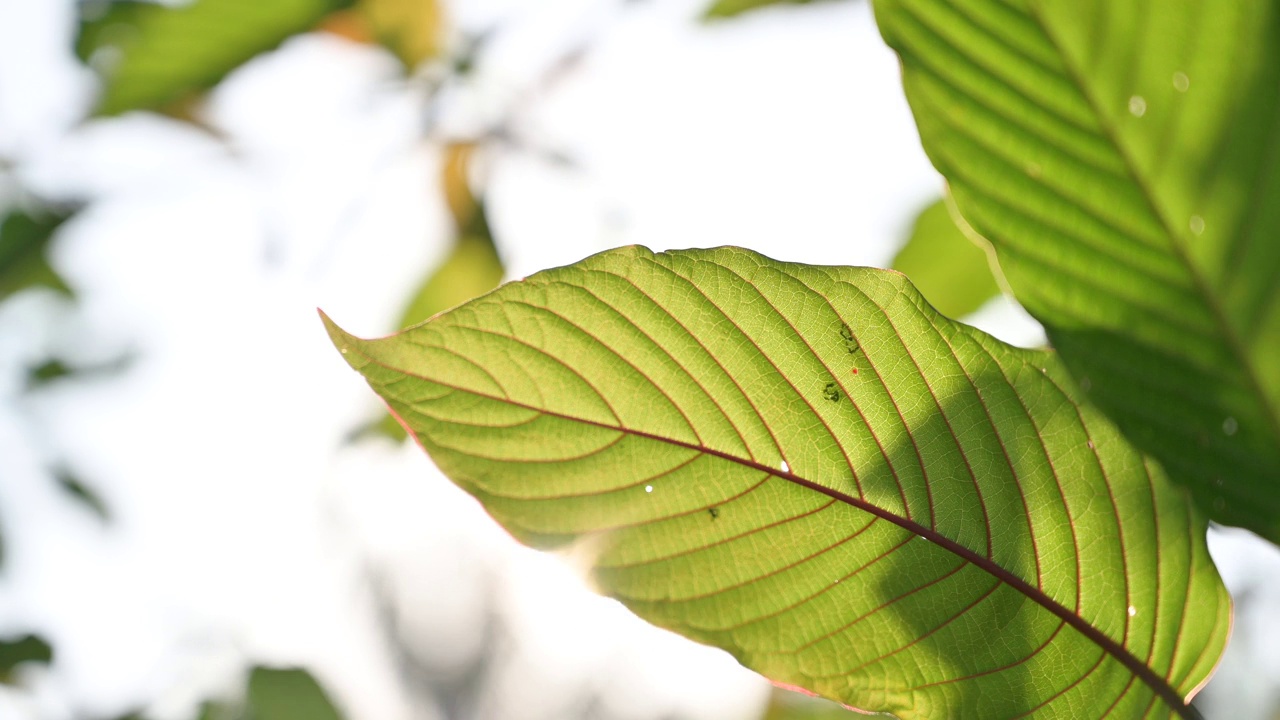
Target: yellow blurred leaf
column 412, row 29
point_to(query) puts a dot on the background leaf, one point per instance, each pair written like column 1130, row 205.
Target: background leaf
column 288, row 694
column 1124, row 164
column 26, row 649
column 732, row 8
column 152, row 55
column 809, row 467
column 948, row 268
column 24, row 243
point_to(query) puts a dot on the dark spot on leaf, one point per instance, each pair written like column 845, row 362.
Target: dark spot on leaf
column 850, row 343
column 831, row 392
column 854, row 371
column 714, row 512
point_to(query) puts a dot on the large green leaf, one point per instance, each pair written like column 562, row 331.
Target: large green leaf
column 811, row 468
column 154, row 55
column 1124, row 160
column 948, row 268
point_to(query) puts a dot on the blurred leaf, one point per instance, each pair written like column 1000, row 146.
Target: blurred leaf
column 472, row 269
column 54, row 369
column 456, row 181
column 288, row 695
column 350, row 24
column 791, row 705
column 731, row 8
column 73, row 487
column 24, row 241
column 946, row 267
column 22, row 650
column 412, row 29
column 152, row 56
column 47, row 372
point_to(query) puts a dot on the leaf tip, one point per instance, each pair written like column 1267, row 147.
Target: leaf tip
column 344, row 341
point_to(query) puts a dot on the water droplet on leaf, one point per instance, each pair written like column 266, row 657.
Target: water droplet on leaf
column 785, row 467
column 1132, row 611
column 648, row 488
column 1181, row 82
column 1137, row 106
column 1196, row 224
column 1230, row 426
column 1086, row 384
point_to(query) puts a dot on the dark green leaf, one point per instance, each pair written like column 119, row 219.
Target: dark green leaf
column 24, row 242
column 151, row 56
column 948, row 268
column 1122, row 159
column 811, row 468
column 82, row 494
column 26, row 649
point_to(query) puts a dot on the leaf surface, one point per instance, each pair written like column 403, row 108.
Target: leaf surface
column 152, row 56
column 948, row 268
column 1124, row 161
column 811, row 468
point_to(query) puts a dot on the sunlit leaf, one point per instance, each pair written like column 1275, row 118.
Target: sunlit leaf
column 732, row 8
column 412, row 29
column 811, row 468
column 288, row 695
column 24, row 242
column 152, row 56
column 26, row 649
column 949, row 269
column 1119, row 158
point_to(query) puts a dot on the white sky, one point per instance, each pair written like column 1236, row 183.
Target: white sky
column 244, row 527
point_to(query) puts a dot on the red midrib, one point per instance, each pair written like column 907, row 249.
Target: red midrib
column 1116, row 650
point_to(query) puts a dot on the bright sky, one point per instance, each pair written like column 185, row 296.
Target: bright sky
column 245, row 528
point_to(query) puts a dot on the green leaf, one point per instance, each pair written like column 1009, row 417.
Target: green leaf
column 24, row 242
column 83, row 494
column 152, row 56
column 732, row 8
column 811, row 468
column 1124, row 161
column 26, row 649
column 948, row 268
column 288, row 695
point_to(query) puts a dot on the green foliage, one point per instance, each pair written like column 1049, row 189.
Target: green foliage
column 152, row 56
column 732, row 8
column 26, row 649
column 288, row 695
column 949, row 269
column 24, row 243
column 1120, row 160
column 811, row 468
column 82, row 494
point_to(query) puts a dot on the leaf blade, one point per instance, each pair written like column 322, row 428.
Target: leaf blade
column 166, row 54
column 1124, row 182
column 948, row 268
column 703, row 427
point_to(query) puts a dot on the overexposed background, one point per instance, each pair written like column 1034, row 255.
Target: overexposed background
column 246, row 526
